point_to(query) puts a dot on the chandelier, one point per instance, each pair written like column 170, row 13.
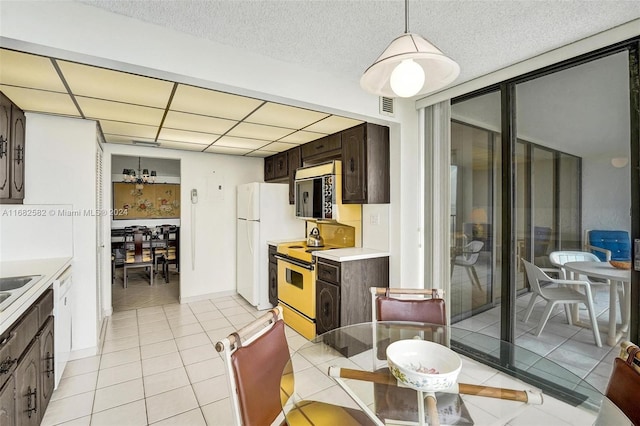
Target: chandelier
column 143, row 176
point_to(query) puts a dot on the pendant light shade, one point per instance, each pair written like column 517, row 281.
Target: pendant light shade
column 409, row 66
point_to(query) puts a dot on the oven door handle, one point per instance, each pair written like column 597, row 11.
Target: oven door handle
column 295, row 262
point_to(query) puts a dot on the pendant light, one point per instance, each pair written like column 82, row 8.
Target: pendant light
column 409, row 66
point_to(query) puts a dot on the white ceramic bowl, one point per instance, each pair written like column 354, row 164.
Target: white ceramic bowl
column 423, row 365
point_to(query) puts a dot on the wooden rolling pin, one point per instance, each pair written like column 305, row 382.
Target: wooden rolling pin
column 529, row 397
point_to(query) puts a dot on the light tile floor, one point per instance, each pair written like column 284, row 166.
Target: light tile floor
column 158, row 364
column 139, row 294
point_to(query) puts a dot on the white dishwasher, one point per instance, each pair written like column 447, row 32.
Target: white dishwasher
column 62, row 324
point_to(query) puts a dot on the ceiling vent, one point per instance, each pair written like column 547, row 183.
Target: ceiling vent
column 146, row 143
column 386, row 106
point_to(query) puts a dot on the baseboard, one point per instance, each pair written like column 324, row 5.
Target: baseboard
column 83, row 353
column 207, row 296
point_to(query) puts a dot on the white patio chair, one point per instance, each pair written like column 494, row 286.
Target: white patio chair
column 566, row 293
column 559, row 258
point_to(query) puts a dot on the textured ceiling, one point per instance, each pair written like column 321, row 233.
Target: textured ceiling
column 345, row 37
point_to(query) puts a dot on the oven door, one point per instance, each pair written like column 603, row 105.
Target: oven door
column 297, row 286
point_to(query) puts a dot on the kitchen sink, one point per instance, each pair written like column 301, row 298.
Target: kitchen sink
column 13, row 283
column 11, row 288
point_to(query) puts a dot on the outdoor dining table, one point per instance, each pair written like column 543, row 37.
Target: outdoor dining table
column 498, row 382
column 614, row 276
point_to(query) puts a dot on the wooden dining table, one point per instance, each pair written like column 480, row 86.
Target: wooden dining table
column 614, row 276
column 499, row 382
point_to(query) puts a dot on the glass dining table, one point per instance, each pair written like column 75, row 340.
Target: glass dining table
column 498, row 383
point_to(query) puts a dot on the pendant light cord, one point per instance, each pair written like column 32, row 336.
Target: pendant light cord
column 406, row 16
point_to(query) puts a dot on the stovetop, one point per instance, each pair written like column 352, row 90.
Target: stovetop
column 300, row 250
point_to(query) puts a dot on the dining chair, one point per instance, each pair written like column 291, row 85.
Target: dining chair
column 255, row 358
column 403, row 304
column 608, row 244
column 565, row 292
column 166, row 251
column 468, row 259
column 138, row 254
column 620, row 405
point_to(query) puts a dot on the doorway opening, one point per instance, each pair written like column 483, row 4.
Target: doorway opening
column 145, row 232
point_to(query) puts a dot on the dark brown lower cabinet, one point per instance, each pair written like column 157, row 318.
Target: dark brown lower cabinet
column 327, row 307
column 7, row 403
column 47, row 376
column 273, row 283
column 26, row 374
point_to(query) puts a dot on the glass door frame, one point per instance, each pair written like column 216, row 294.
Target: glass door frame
column 507, row 91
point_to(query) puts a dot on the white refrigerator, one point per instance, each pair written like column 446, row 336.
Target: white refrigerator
column 263, row 214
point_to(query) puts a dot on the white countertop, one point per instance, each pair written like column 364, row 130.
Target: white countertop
column 50, row 269
column 352, row 253
column 287, row 240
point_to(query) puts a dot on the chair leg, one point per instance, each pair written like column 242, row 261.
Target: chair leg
column 545, row 317
column 474, row 277
column 594, row 322
column 532, row 302
column 125, row 277
column 567, row 312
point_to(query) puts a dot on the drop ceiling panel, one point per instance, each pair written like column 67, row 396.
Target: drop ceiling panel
column 285, row 116
column 41, row 101
column 258, row 131
column 25, row 70
column 333, row 124
column 111, row 138
column 199, row 123
column 227, row 150
column 118, row 86
column 212, row 103
column 186, row 136
column 230, row 141
column 301, row 137
column 180, row 145
column 128, row 129
column 260, row 153
column 278, row 146
column 116, row 111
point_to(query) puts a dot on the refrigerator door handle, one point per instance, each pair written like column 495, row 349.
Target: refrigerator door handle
column 249, row 237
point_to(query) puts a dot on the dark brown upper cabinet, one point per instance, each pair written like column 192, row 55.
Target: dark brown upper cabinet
column 12, row 155
column 364, row 151
column 295, row 161
column 321, row 150
column 365, row 165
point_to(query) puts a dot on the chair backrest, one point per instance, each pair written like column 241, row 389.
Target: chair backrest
column 559, row 258
column 624, row 384
column 419, row 305
column 535, row 276
column 471, row 251
column 616, row 241
column 255, row 357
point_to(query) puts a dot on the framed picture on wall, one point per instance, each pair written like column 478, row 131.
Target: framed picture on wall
column 149, row 201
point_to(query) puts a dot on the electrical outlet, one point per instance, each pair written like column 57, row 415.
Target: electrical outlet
column 374, row 219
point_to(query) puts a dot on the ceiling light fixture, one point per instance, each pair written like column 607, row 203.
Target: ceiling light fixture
column 129, row 176
column 409, row 66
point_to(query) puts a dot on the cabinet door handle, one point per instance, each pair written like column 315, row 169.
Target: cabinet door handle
column 50, row 363
column 325, row 309
column 5, row 366
column 3, row 146
column 31, row 407
column 352, row 166
column 319, row 146
column 20, row 154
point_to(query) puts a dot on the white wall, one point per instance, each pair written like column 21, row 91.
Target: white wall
column 60, row 169
column 606, row 195
column 215, row 215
